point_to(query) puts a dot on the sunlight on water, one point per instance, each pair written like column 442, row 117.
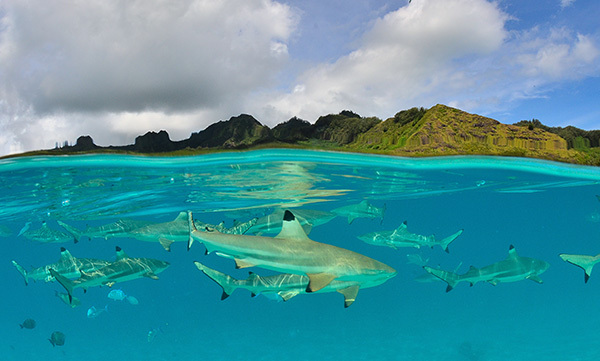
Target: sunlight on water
column 114, row 213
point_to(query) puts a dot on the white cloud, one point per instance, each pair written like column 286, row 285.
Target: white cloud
column 566, row 3
column 406, row 54
column 138, row 57
column 435, row 51
column 561, row 55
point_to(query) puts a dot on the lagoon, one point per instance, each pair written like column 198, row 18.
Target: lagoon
column 542, row 208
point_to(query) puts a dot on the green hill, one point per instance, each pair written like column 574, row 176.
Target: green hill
column 443, row 130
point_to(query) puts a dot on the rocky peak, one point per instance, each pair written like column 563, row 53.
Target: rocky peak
column 237, row 132
column 84, row 143
column 153, row 142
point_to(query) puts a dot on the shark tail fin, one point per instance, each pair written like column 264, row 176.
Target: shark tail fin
column 446, row 241
column 584, row 262
column 65, row 282
column 228, row 284
column 450, row 278
column 192, row 228
column 22, row 271
column 76, row 233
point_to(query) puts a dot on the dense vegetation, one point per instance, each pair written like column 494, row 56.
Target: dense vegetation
column 576, row 138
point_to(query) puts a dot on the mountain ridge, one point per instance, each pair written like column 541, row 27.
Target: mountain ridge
column 437, row 131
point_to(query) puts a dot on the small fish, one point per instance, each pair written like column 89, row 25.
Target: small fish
column 93, row 312
column 119, row 295
column 28, row 324
column 57, row 338
column 153, row 332
column 24, row 229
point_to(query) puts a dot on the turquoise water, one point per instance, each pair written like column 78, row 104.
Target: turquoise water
column 542, row 208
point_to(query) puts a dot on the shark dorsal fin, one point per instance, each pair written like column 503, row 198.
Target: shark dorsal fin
column 512, row 252
column 121, row 254
column 65, row 254
column 403, row 226
column 472, row 268
column 182, row 216
column 291, row 228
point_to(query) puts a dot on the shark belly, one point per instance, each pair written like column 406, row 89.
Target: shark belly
column 291, row 256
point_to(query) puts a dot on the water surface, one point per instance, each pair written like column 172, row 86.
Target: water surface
column 542, row 208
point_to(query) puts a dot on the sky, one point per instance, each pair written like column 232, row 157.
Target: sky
column 117, row 69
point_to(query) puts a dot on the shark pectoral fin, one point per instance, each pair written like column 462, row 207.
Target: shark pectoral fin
column 318, row 281
column 286, row 295
column 22, row 271
column 65, row 282
column 149, row 275
column 586, row 277
column 110, row 283
column 307, row 227
column 349, row 295
column 166, row 243
column 535, row 278
column 240, row 263
column 351, row 219
column 493, row 281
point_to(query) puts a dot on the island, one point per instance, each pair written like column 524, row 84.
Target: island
column 417, row 132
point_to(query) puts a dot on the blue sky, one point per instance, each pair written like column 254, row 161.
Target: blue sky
column 117, row 69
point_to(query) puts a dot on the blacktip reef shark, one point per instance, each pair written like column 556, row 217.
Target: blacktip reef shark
column 67, row 265
column 165, row 233
column 125, row 268
column 308, row 219
column 401, row 237
column 362, row 210
column 584, row 262
column 45, row 234
column 120, row 228
column 291, row 251
column 284, row 285
column 513, row 268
